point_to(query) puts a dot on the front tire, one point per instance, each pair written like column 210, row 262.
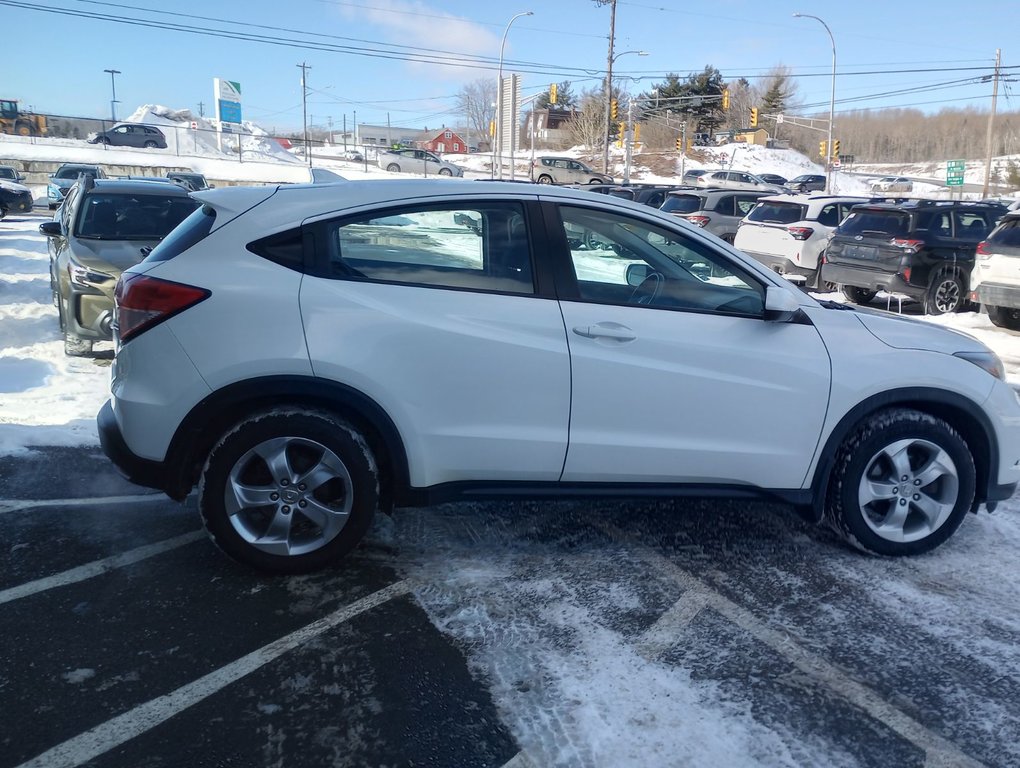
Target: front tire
column 74, row 346
column 150, row 145
column 858, row 295
column 445, row 172
column 901, row 483
column 1005, row 317
column 289, row 490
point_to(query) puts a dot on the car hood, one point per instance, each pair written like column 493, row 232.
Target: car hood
column 909, row 333
column 104, row 254
column 13, row 186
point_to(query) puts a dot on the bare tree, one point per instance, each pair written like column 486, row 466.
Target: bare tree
column 476, row 101
column 588, row 126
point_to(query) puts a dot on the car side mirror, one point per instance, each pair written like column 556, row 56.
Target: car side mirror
column 637, row 273
column 781, row 306
column 51, row 229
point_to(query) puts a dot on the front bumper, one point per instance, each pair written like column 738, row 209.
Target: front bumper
column 89, row 313
column 870, row 279
column 17, row 204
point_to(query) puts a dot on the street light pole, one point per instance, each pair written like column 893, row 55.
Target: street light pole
column 113, row 87
column 609, row 96
column 832, row 100
column 499, row 97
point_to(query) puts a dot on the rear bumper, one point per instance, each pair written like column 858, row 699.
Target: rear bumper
column 869, row 279
column 999, row 295
column 782, row 264
column 151, row 474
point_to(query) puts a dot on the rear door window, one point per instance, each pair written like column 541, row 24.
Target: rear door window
column 481, row 246
column 970, row 225
column 829, row 215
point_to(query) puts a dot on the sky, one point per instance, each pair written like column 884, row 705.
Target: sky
column 358, row 52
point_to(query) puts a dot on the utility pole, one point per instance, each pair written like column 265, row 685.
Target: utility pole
column 345, row 131
column 991, row 123
column 113, row 86
column 201, row 109
column 304, row 107
column 630, row 140
column 609, row 79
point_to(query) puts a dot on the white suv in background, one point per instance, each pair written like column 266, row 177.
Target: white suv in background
column 310, row 354
column 995, row 279
column 788, row 233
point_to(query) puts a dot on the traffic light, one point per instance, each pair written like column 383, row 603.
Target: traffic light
column 613, row 109
column 821, row 148
column 552, row 93
column 679, row 144
column 492, row 127
column 726, row 99
column 637, row 132
column 835, row 148
column 754, row 117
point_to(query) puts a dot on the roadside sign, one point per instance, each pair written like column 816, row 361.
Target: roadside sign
column 954, row 173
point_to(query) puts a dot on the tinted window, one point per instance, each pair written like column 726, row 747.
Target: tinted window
column 875, row 224
column 774, row 212
column 192, row 230
column 284, row 248
column 682, row 204
column 104, row 216
column 479, row 247
column 8, row 173
column 829, row 215
column 744, row 205
column 1007, row 234
column 970, row 225
column 75, row 171
column 724, row 205
column 621, row 260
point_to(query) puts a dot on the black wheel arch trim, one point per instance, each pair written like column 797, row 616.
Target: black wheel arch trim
column 960, row 412
column 219, row 411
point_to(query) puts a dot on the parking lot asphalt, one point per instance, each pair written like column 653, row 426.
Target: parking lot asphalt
column 529, row 634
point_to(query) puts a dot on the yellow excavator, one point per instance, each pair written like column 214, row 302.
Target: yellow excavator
column 13, row 120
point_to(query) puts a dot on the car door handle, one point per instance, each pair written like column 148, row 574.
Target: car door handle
column 606, row 331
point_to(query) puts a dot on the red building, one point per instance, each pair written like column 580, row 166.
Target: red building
column 446, row 141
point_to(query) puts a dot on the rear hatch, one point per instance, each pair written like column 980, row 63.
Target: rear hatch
column 769, row 229
column 872, row 238
column 681, row 205
column 998, row 257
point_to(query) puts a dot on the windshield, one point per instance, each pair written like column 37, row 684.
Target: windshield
column 8, row 173
column 875, row 224
column 777, row 213
column 682, row 204
column 132, row 217
column 74, row 171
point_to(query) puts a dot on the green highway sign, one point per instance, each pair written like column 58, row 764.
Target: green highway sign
column 954, row 173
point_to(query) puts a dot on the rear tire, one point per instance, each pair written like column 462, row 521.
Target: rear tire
column 289, row 490
column 901, row 484
column 545, row 179
column 1005, row 317
column 393, row 168
column 946, row 294
column 858, row 295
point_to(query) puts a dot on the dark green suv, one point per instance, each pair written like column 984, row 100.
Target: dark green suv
column 923, row 249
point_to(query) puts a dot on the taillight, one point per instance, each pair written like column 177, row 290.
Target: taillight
column 800, row 233
column 983, row 250
column 906, row 274
column 143, row 302
column 910, row 246
column 701, row 221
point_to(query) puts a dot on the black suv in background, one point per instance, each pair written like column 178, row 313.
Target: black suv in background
column 131, row 135
column 922, row 248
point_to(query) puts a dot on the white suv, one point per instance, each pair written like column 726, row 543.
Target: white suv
column 789, row 232
column 995, row 279
column 308, row 355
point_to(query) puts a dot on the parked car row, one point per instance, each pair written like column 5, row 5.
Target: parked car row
column 15, row 197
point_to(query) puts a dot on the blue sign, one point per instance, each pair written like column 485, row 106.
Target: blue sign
column 230, row 111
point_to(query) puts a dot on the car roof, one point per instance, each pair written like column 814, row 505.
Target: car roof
column 139, row 186
column 807, row 199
